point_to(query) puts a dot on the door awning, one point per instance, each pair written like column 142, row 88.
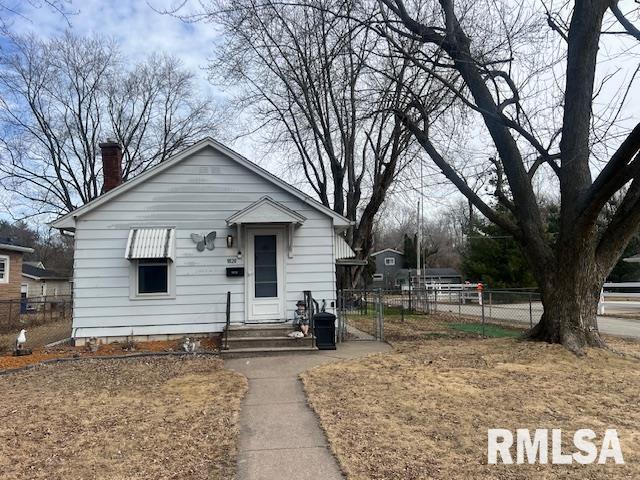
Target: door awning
column 345, row 254
column 145, row 243
column 266, row 210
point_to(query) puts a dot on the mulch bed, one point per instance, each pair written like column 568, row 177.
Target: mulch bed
column 41, row 354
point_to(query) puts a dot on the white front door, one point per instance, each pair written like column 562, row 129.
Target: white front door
column 265, row 275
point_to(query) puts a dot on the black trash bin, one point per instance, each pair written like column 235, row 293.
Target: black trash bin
column 324, row 325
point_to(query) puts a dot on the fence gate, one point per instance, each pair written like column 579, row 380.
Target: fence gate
column 360, row 315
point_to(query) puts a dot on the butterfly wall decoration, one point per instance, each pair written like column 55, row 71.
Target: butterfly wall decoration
column 204, row 241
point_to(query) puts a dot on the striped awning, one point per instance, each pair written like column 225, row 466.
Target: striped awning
column 345, row 254
column 146, row 243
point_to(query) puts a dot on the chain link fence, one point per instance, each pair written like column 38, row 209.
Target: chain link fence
column 514, row 307
column 47, row 320
column 361, row 313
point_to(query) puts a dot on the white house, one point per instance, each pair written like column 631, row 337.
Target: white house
column 147, row 265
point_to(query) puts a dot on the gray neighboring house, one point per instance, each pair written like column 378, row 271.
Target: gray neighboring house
column 389, row 263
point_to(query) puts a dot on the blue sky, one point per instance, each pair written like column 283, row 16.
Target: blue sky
column 141, row 30
column 138, row 28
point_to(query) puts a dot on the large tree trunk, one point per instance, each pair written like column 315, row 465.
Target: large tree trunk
column 570, row 294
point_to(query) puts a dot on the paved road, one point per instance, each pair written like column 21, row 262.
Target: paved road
column 520, row 313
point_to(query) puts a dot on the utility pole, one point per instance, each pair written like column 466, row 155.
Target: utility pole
column 418, row 244
column 419, row 240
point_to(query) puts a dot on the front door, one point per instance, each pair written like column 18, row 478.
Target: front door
column 265, row 275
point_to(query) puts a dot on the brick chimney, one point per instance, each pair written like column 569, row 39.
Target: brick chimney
column 111, row 164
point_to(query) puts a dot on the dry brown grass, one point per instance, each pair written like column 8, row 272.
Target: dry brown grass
column 423, row 410
column 37, row 336
column 121, row 419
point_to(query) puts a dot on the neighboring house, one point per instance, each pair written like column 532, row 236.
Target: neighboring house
column 388, row 263
column 146, row 263
column 10, row 277
column 37, row 281
column 11, row 268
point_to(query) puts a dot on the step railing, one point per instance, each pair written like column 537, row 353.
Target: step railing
column 225, row 345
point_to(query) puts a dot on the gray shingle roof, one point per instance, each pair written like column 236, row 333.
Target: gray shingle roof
column 42, row 273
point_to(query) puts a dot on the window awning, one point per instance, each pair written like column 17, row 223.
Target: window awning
column 345, row 254
column 151, row 243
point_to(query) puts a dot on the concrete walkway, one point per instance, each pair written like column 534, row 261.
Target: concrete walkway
column 280, row 436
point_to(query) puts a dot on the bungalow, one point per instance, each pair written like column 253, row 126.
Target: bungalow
column 155, row 256
column 37, row 281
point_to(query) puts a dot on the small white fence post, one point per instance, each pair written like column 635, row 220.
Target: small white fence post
column 601, row 302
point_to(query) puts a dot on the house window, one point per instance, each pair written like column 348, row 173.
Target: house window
column 389, row 261
column 153, row 277
column 152, row 269
column 4, row 269
column 378, row 276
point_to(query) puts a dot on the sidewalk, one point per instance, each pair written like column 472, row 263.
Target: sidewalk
column 280, row 437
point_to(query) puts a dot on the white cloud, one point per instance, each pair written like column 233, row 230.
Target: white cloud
column 138, row 27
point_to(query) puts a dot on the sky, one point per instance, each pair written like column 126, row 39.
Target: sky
column 140, row 29
column 136, row 25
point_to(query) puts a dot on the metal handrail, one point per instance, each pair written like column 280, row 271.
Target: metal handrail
column 226, row 330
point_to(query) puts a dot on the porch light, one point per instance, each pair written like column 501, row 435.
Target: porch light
column 229, row 241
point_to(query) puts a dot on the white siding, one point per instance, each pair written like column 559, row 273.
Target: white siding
column 195, row 196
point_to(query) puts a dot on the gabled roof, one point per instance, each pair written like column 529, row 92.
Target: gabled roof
column 386, row 250
column 7, row 243
column 266, row 210
column 36, row 273
column 67, row 222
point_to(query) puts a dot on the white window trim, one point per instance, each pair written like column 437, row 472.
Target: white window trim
column 378, row 276
column 133, row 282
column 390, row 261
column 7, row 267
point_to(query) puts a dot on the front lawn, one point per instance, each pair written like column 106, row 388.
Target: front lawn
column 489, row 330
column 422, row 411
column 147, row 418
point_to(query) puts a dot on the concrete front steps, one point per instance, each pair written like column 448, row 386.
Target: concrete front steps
column 265, row 339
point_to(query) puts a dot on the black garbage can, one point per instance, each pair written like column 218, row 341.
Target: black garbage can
column 324, row 328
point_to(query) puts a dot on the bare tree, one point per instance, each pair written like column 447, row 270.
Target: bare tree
column 537, row 99
column 61, row 97
column 314, row 81
column 21, row 9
